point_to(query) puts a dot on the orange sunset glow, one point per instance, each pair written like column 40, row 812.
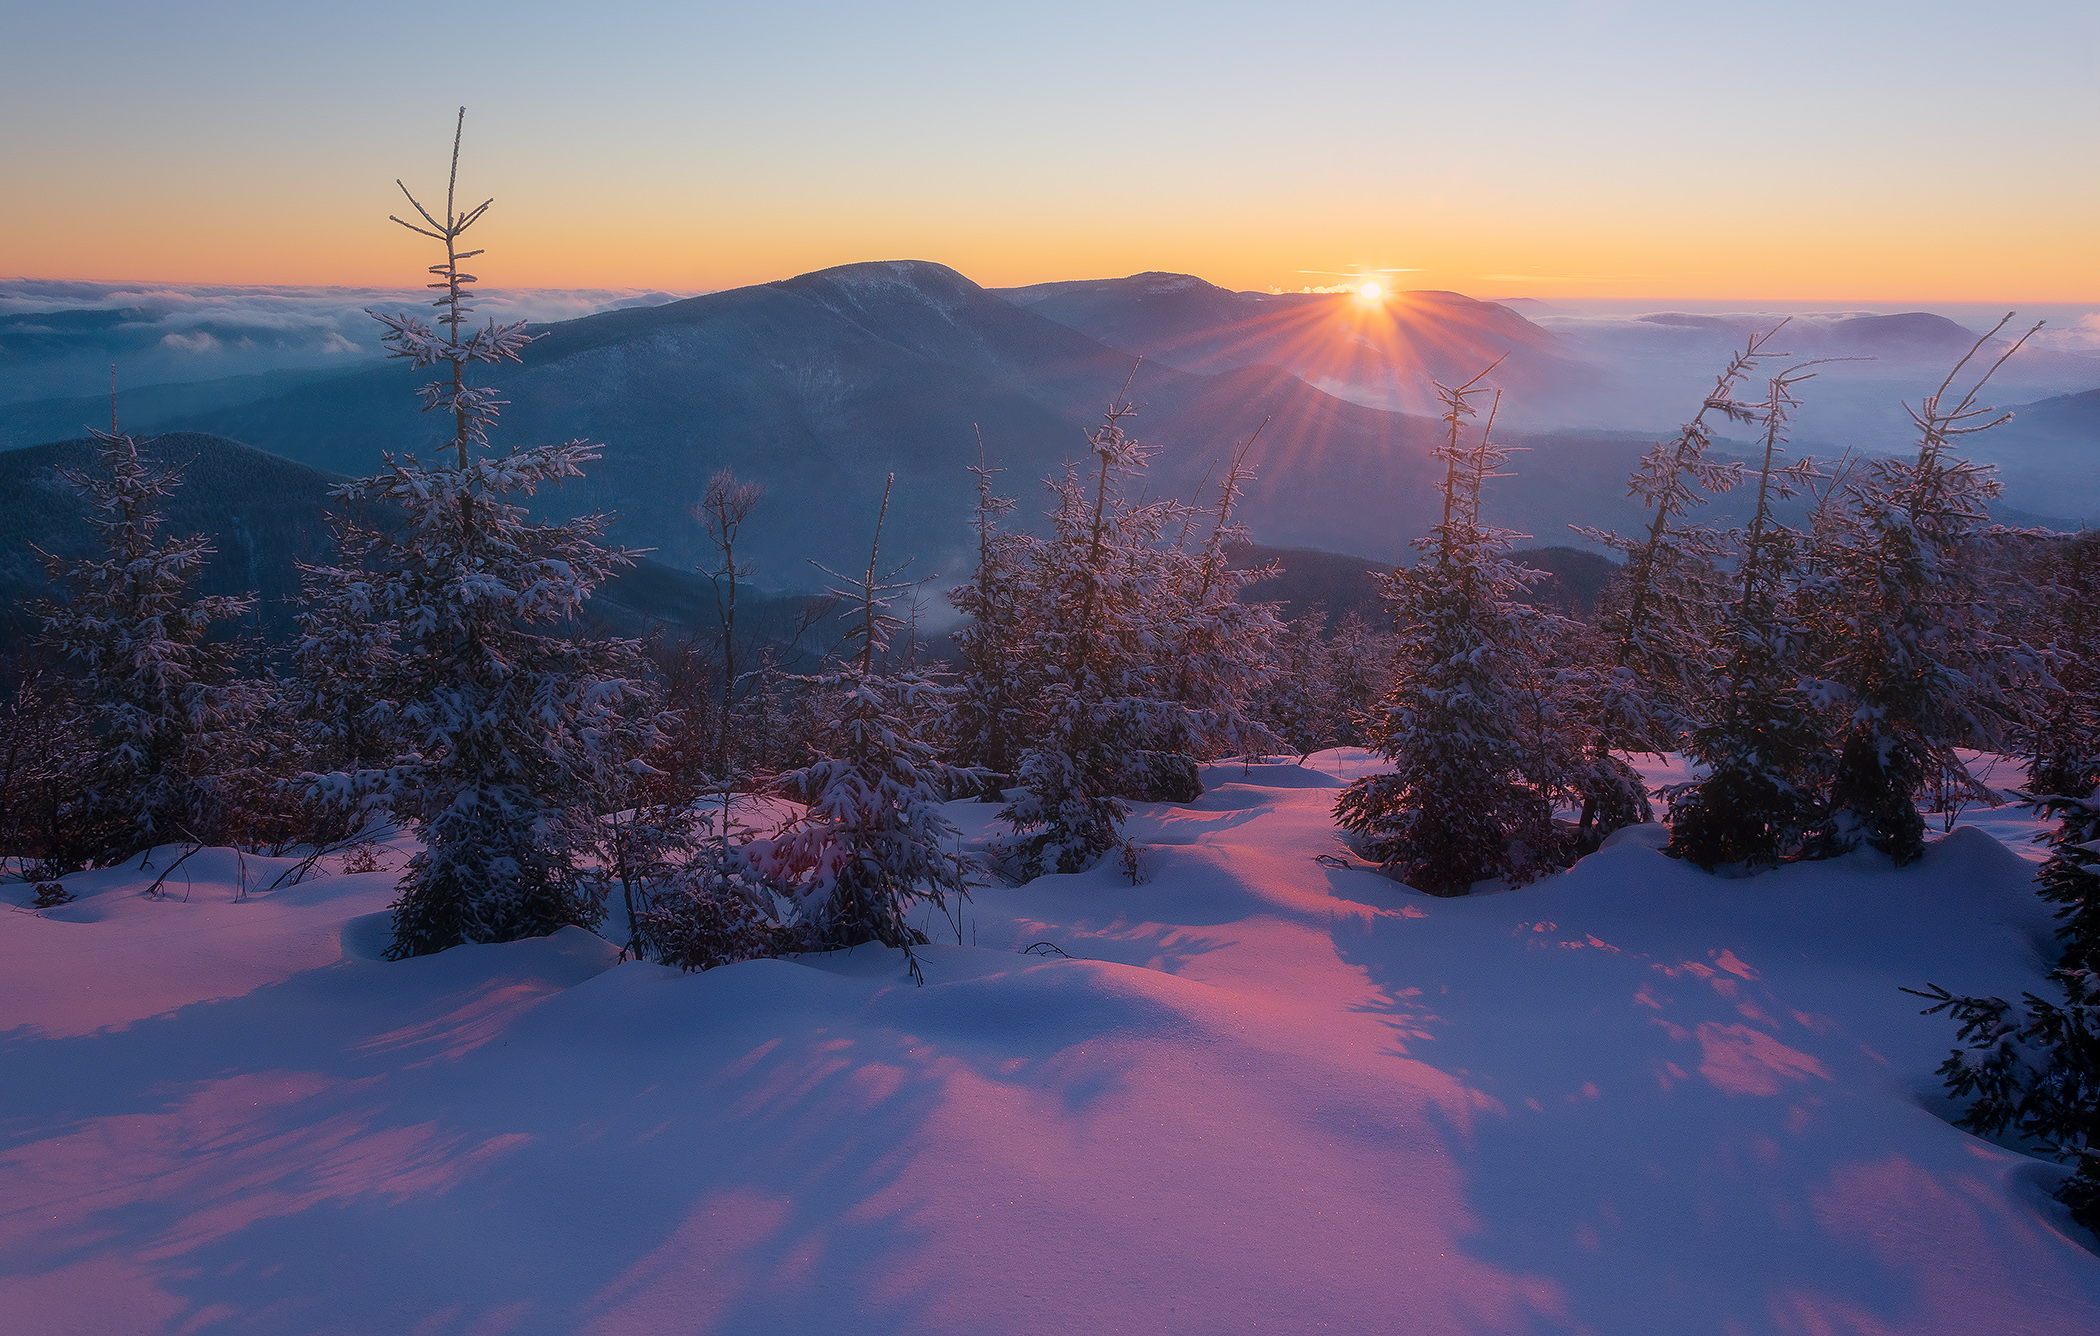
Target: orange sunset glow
column 1778, row 171
column 686, row 239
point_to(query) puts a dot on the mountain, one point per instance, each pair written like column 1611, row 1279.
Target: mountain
column 2065, row 417
column 819, row 386
column 144, row 408
column 264, row 514
column 2048, row 457
column 1343, row 584
column 1384, row 353
column 1842, row 334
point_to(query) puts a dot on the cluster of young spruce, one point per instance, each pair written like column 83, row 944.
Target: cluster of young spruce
column 1828, row 675
column 1827, row 664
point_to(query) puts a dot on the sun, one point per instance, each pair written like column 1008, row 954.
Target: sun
column 1370, row 291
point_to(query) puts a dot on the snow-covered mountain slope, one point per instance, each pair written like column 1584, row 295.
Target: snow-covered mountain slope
column 1260, row 1093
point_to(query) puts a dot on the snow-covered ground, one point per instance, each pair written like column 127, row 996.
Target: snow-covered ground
column 1265, row 1093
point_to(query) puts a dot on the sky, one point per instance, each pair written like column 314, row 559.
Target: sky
column 1574, row 149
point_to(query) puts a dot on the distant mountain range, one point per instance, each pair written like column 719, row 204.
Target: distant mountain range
column 819, row 386
column 1847, row 333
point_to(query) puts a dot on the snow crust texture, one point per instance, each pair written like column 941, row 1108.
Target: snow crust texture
column 1263, row 1093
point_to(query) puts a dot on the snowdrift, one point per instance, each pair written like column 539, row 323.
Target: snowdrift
column 1260, row 1093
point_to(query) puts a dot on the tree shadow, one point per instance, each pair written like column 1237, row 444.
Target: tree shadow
column 446, row 1149
column 1692, row 1113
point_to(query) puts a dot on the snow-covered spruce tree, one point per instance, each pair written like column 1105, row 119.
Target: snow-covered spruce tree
column 1299, row 703
column 1095, row 646
column 1469, row 796
column 2070, row 880
column 1220, row 649
column 1913, row 648
column 873, row 840
column 2063, row 770
column 1656, row 620
column 2063, row 738
column 1323, row 685
column 1762, row 741
column 715, row 908
column 672, row 843
column 509, row 726
column 158, row 693
column 995, row 686
column 666, row 839
column 2039, row 1074
column 1361, row 663
column 2036, row 1074
column 46, row 753
column 1567, row 697
column 345, row 664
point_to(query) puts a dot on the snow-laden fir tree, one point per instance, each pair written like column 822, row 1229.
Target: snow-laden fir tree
column 1658, row 615
column 508, row 726
column 1361, row 663
column 2063, row 737
column 1092, row 647
column 713, row 909
column 2070, row 880
column 995, row 685
column 673, row 842
column 1108, row 605
column 134, row 639
column 666, row 839
column 345, row 666
column 1299, row 703
column 2063, row 770
column 873, row 841
column 1324, row 685
column 1762, row 741
column 1656, row 620
column 1470, row 793
column 46, row 755
column 1912, row 646
column 2038, row 1073
column 1220, row 648
column 2035, row 1068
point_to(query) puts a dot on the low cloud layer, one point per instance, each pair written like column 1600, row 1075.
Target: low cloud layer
column 159, row 333
column 290, row 309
